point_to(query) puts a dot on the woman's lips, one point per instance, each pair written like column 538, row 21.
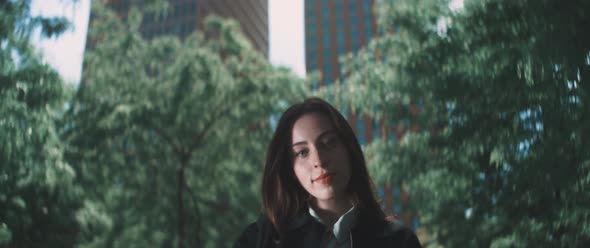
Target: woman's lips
column 324, row 178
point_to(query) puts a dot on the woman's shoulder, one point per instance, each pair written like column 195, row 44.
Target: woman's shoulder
column 375, row 230
column 396, row 233
column 254, row 233
column 248, row 236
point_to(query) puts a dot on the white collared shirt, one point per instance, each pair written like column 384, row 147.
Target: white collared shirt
column 339, row 237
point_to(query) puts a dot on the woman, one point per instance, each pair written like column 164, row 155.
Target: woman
column 316, row 191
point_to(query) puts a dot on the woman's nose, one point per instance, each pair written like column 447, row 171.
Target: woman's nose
column 318, row 158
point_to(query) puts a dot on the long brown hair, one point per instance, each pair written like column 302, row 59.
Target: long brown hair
column 282, row 195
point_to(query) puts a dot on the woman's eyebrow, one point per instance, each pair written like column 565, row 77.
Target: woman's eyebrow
column 299, row 143
column 324, row 133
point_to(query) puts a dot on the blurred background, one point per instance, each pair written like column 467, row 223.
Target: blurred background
column 144, row 123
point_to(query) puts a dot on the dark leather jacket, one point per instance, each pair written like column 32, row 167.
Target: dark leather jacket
column 305, row 231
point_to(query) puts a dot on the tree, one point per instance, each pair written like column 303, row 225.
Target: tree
column 39, row 199
column 171, row 134
column 503, row 158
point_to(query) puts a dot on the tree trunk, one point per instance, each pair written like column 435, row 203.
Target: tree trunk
column 180, row 206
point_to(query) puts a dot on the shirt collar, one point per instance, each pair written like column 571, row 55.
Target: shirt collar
column 342, row 225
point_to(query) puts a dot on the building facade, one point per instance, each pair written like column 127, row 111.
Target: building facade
column 187, row 16
column 334, row 28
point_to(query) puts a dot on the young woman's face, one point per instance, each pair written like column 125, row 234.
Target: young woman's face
column 320, row 159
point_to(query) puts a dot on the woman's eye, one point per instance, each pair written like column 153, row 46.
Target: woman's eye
column 330, row 141
column 301, row 153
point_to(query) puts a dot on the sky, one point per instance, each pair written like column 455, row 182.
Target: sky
column 65, row 53
column 286, row 34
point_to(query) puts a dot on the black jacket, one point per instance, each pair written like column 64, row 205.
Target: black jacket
column 305, row 231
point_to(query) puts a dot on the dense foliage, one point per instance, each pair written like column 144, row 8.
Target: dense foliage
column 502, row 158
column 38, row 196
column 168, row 136
column 162, row 145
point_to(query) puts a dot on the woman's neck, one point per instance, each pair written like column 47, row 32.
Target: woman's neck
column 330, row 210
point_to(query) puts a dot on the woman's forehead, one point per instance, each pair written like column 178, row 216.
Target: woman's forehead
column 311, row 126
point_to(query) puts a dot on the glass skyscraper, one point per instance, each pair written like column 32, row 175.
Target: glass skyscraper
column 186, row 16
column 334, row 28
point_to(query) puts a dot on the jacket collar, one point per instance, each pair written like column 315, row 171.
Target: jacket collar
column 363, row 224
column 341, row 228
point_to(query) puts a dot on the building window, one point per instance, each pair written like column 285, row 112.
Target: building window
column 311, row 45
column 311, row 29
column 310, row 16
column 367, row 6
column 325, row 13
column 326, row 31
column 376, row 129
column 368, row 33
column 354, row 36
column 326, row 40
column 340, row 37
column 368, row 18
column 327, row 73
column 313, row 57
column 360, row 126
column 338, row 7
column 325, row 22
column 313, row 65
column 189, row 25
column 352, row 12
column 368, row 24
column 340, row 31
column 309, row 4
